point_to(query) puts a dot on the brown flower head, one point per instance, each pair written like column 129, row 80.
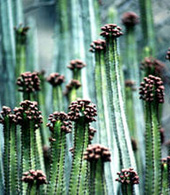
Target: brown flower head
column 130, row 19
column 28, row 82
column 168, row 54
column 66, row 125
column 97, row 151
column 92, row 131
column 82, row 108
column 34, row 176
column 28, row 111
column 7, row 114
column 97, row 45
column 128, row 176
column 72, row 84
column 55, row 79
column 76, row 64
column 111, row 30
column 152, row 89
column 153, row 65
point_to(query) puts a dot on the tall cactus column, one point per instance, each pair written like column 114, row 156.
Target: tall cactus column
column 152, row 92
column 115, row 94
column 82, row 113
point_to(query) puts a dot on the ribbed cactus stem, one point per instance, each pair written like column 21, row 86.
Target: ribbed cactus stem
column 115, row 95
column 148, row 26
column 57, row 98
column 152, row 91
column 11, row 181
column 165, row 175
column 59, row 126
column 82, row 113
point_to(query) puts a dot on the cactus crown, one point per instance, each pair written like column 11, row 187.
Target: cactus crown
column 76, row 64
column 97, row 151
column 111, row 30
column 73, row 83
column 128, row 176
column 34, row 176
column 63, row 118
column 6, row 112
column 152, row 89
column 55, row 79
column 97, row 45
column 28, row 82
column 81, row 108
column 130, row 19
column 150, row 63
column 29, row 110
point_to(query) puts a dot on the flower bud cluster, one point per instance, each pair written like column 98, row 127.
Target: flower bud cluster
column 76, row 64
column 82, row 108
column 21, row 30
column 128, row 176
column 97, row 151
column 63, row 118
column 97, row 45
column 152, row 89
column 111, row 30
column 92, row 131
column 34, row 176
column 130, row 19
column 72, row 84
column 29, row 110
column 152, row 63
column 28, row 82
column 168, row 54
column 6, row 112
column 55, row 79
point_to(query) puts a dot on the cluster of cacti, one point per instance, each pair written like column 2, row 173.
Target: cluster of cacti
column 64, row 153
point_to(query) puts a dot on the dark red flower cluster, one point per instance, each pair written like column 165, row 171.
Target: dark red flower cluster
column 168, row 54
column 92, row 131
column 63, row 118
column 111, row 30
column 72, row 84
column 34, row 176
column 6, row 113
column 55, row 79
column 82, row 108
column 28, row 82
column 130, row 19
column 97, row 45
column 152, row 89
column 97, row 151
column 29, row 110
column 128, row 176
column 153, row 65
column 76, row 64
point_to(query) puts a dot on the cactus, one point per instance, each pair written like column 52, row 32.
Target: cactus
column 10, row 165
column 97, row 155
column 128, row 178
column 82, row 113
column 59, row 126
column 152, row 92
column 165, row 175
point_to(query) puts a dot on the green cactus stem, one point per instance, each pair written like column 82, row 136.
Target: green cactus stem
column 71, row 91
column 128, row 178
column 115, row 95
column 42, row 104
column 29, row 118
column 21, row 40
column 152, row 92
column 10, row 152
column 148, row 26
column 97, row 155
column 165, row 176
column 59, row 126
column 34, row 179
column 82, row 113
column 56, row 80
